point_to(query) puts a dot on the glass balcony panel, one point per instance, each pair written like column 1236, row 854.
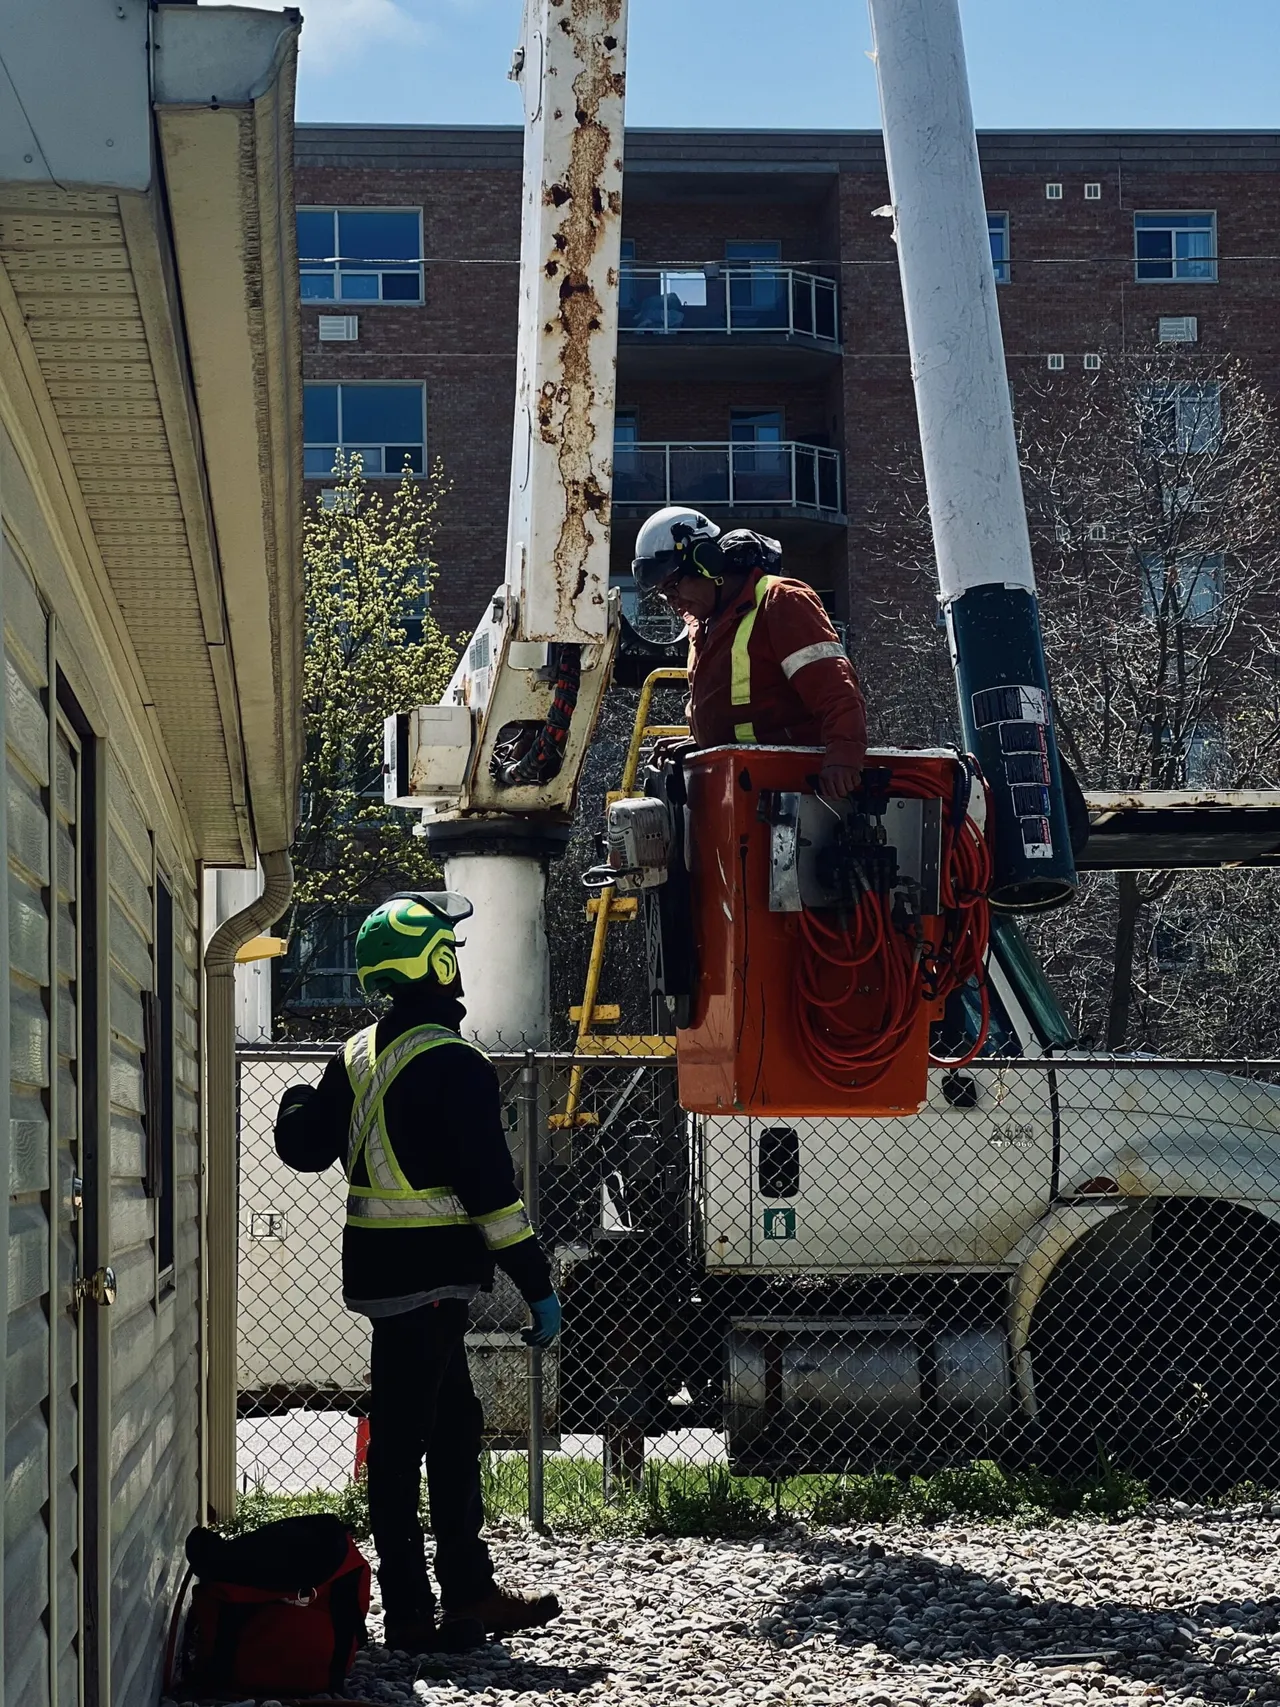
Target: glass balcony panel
column 806, row 476
column 825, row 309
column 733, row 300
column 828, row 477
column 758, row 300
column 699, row 474
column 639, row 476
column 762, row 474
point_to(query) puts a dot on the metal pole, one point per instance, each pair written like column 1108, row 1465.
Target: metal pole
column 528, row 1112
column 967, row 443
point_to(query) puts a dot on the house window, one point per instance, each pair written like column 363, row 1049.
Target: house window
column 360, row 254
column 1193, row 594
column 382, row 424
column 1183, row 419
column 1175, row 247
column 319, row 970
column 998, row 232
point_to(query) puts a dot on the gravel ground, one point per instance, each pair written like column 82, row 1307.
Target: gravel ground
column 1184, row 1605
column 1180, row 1606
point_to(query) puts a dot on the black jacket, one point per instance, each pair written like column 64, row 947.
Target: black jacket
column 444, row 1119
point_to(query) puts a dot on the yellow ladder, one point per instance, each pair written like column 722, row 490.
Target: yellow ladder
column 608, row 907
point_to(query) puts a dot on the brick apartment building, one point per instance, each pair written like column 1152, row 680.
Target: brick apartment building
column 762, row 367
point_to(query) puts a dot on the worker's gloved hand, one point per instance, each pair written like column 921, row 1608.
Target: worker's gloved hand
column 546, row 1322
column 669, row 748
column 837, row 782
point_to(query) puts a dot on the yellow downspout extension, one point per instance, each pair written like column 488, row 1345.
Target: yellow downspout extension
column 595, row 965
column 222, row 1176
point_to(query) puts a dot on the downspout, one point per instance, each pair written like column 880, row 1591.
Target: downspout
column 223, row 1175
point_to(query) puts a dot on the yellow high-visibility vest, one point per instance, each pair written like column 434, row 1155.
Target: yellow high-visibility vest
column 740, row 677
column 388, row 1200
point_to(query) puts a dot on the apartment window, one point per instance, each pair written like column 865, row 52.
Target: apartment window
column 1183, row 419
column 360, row 254
column 382, row 424
column 1175, row 247
column 998, row 232
column 754, row 281
column 1193, row 594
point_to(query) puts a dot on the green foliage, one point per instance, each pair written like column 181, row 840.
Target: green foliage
column 372, row 648
column 707, row 1500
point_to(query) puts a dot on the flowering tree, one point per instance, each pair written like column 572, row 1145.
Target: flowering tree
column 372, row 648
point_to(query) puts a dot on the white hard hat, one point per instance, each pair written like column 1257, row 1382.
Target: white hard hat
column 675, row 541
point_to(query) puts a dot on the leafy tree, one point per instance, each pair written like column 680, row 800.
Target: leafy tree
column 372, row 648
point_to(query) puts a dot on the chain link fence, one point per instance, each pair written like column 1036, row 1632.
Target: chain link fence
column 1061, row 1262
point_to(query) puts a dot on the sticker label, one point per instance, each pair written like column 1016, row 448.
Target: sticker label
column 779, row 1223
column 1012, row 704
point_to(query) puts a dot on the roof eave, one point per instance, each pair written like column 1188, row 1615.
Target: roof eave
column 224, row 87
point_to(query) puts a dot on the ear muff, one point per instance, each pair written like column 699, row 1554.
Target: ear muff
column 443, row 963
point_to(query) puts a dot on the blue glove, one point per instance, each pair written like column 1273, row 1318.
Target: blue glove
column 546, row 1322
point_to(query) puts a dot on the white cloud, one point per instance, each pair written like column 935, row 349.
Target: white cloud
column 337, row 31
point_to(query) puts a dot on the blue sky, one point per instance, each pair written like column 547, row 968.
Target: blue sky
column 1163, row 64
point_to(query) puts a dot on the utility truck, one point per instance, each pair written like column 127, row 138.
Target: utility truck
column 830, row 1249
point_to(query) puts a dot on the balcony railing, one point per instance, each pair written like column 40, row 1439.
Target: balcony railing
column 728, row 299
column 801, row 476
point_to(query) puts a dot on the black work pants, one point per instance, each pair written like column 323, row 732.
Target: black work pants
column 422, row 1404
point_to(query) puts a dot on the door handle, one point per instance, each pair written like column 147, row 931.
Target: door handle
column 97, row 1288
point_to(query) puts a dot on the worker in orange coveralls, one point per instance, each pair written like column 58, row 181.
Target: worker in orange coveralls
column 764, row 661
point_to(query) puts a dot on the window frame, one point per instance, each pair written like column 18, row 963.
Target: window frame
column 1187, row 425
column 339, row 385
column 336, row 269
column 351, row 915
column 1001, row 268
column 1153, row 565
column 1139, row 261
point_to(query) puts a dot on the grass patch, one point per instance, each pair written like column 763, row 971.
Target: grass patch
column 706, row 1500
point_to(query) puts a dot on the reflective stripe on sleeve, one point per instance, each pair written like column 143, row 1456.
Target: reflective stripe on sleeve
column 504, row 1227
column 794, row 662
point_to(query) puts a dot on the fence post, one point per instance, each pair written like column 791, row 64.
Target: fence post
column 528, row 1109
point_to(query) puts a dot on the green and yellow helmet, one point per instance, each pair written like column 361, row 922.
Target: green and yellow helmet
column 410, row 940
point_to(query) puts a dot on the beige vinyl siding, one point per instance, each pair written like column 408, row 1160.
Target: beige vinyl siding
column 153, row 1331
column 156, row 1356
column 27, row 1440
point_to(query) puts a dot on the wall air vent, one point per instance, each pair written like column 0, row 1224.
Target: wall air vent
column 339, row 328
column 1179, row 329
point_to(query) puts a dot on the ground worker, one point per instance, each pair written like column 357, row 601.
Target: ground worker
column 414, row 1113
column 764, row 661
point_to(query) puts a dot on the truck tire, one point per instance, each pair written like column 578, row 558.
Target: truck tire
column 1155, row 1348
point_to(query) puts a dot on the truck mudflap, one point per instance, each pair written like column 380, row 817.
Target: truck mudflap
column 832, row 1393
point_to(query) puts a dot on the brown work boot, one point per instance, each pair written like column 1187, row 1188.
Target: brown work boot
column 422, row 1636
column 414, row 1635
column 501, row 1613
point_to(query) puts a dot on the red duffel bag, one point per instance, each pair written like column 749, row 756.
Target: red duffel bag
column 280, row 1610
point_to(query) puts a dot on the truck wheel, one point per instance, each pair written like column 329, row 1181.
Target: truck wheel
column 1155, row 1347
